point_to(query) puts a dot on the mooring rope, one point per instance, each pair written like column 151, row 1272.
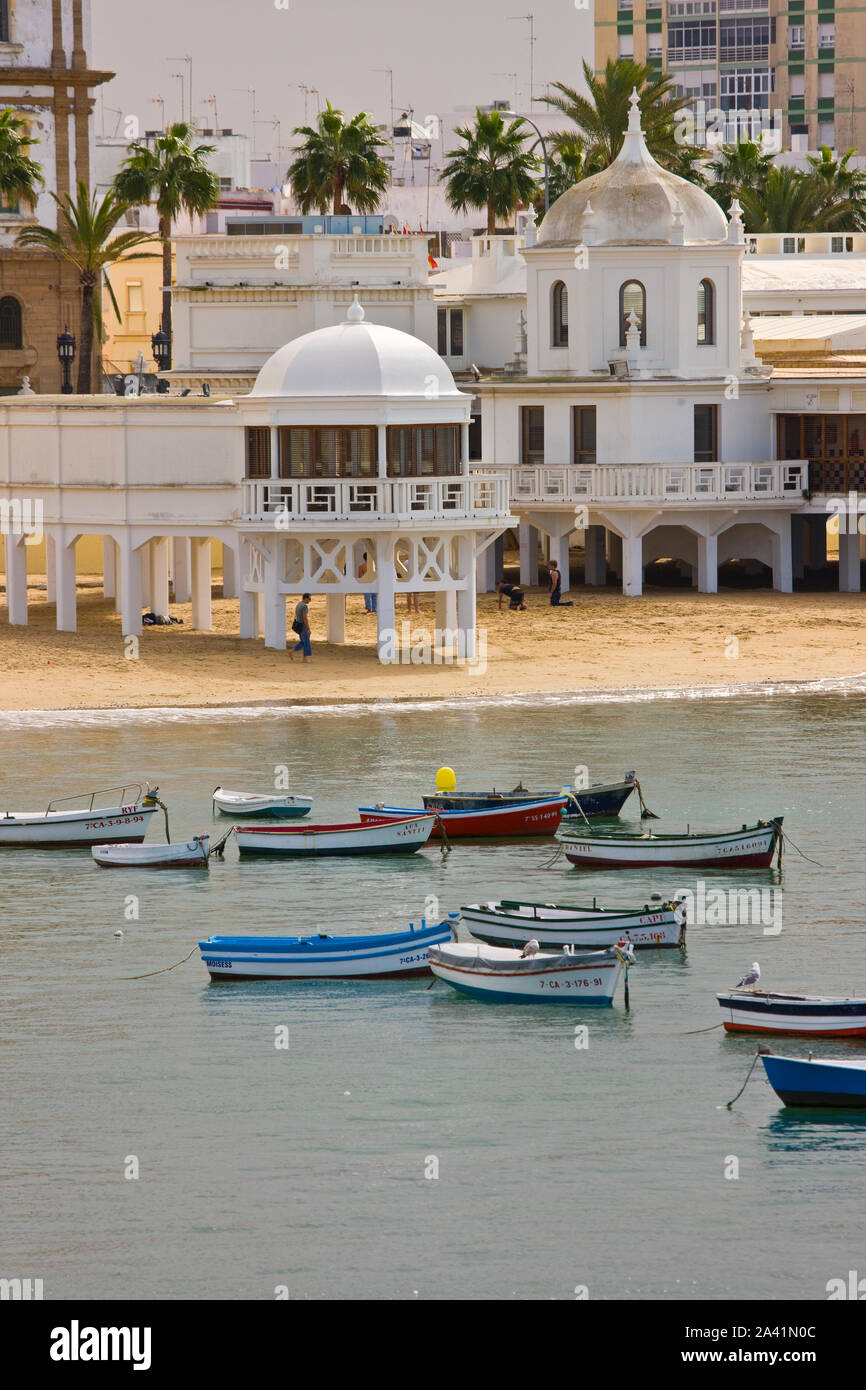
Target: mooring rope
column 645, row 812
column 164, row 970
column 693, row 1031
column 783, row 835
column 218, row 848
column 755, row 1060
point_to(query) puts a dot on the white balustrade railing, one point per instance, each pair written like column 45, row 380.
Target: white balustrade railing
column 657, row 482
column 356, row 499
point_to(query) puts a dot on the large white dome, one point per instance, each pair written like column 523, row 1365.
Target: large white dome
column 633, row 201
column 355, row 358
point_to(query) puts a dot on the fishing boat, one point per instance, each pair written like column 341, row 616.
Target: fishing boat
column 798, row 1015
column 61, row 826
column 819, row 1081
column 403, row 835
column 497, row 974
column 523, row 818
column 190, row 854
column 750, row 847
column 506, row 923
column 601, row 799
column 395, row 955
column 267, row 807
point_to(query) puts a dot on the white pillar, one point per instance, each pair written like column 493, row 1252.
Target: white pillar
column 230, row 571
column 528, row 539
column 201, row 595
column 130, row 570
column 446, row 618
column 386, row 616
column 464, row 450
column 159, row 576
column 559, row 552
column 382, row 440
column 145, row 586
column 595, row 559
column 466, row 607
column 781, row 552
column 275, row 608
column 109, row 567
column 336, row 617
column 50, row 569
column 180, row 568
column 16, row 580
column 485, row 570
column 275, row 451
column 849, row 562
column 259, row 607
column 632, row 566
column 708, row 564
column 64, row 580
column 246, row 614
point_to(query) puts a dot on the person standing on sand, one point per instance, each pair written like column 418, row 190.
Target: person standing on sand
column 371, row 604
column 301, row 626
column 554, row 584
column 412, row 603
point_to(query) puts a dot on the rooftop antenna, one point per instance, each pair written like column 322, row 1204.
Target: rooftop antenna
column 390, row 72
column 513, row 76
column 530, row 19
column 186, row 58
column 160, row 102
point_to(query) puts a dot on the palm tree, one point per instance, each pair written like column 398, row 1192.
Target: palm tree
column 567, row 165
column 790, row 201
column 19, row 174
column 745, row 165
column 338, row 164
column 174, row 174
column 840, row 184
column 83, row 239
column 493, row 169
column 602, row 117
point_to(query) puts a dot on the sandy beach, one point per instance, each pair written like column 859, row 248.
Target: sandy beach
column 666, row 638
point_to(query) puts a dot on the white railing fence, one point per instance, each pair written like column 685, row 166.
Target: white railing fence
column 657, row 482
column 342, row 499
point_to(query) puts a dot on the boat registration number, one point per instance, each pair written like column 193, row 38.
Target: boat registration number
column 569, row 984
column 413, row 960
column 125, row 819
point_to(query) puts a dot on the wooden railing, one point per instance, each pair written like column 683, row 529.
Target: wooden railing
column 343, row 499
column 657, row 482
column 837, row 475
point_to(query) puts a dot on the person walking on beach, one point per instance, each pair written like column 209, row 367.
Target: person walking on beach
column 554, row 584
column 301, row 626
column 412, row 603
column 514, row 594
column 371, row 604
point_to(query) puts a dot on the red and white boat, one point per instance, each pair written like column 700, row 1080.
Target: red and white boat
column 61, row 826
column 540, row 817
column 751, row 847
column 796, row 1015
column 399, row 836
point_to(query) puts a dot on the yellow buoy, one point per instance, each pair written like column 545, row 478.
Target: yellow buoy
column 446, row 780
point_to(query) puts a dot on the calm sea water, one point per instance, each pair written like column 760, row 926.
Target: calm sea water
column 557, row 1167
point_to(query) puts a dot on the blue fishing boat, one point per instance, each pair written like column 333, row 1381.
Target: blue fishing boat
column 817, row 1080
column 394, row 955
column 600, row 799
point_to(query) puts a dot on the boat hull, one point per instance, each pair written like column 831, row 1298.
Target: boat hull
column 404, row 836
column 792, row 1016
column 525, row 819
column 262, row 807
column 69, row 829
column 798, row 1082
column 752, row 848
column 397, row 955
column 193, row 854
column 601, row 800
column 548, row 979
column 584, row 928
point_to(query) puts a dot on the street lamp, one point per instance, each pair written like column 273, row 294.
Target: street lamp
column 543, row 151
column 66, row 352
column 161, row 346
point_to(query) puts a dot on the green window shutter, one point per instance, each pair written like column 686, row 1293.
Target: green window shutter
column 625, row 26
column 826, row 106
column 654, row 28
column 796, row 67
column 828, row 66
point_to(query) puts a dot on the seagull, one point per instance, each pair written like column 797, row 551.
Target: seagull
column 530, row 949
column 751, row 977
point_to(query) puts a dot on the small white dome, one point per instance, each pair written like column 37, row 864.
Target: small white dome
column 355, row 358
column 633, row 201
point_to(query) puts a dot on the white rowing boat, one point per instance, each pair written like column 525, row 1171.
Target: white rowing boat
column 60, row 826
column 403, row 836
column 189, row 854
column 497, row 974
column 272, row 807
column 750, row 847
column 506, row 923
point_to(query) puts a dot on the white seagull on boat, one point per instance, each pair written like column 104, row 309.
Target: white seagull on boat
column 752, row 976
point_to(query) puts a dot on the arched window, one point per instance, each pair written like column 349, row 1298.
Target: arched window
column 11, row 325
column 560, row 315
column 632, row 295
column 706, row 312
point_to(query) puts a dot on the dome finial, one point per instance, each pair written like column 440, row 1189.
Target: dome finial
column 634, row 125
column 355, row 312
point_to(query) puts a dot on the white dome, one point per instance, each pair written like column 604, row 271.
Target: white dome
column 633, row 201
column 355, row 358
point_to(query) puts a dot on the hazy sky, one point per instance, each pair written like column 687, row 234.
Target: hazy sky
column 444, row 53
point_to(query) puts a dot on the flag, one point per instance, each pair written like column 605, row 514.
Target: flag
column 430, row 261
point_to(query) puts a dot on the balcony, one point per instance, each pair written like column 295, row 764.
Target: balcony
column 283, row 502
column 832, row 476
column 656, row 483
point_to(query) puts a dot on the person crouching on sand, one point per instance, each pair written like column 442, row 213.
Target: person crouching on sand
column 554, row 584
column 513, row 593
column 301, row 626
